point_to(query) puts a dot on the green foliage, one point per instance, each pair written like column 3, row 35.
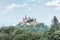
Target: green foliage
column 55, row 23
column 14, row 33
column 4, row 36
column 54, row 32
column 33, row 32
column 7, row 30
column 34, row 28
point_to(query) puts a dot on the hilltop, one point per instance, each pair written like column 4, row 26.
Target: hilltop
column 32, row 24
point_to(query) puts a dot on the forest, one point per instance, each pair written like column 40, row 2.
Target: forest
column 37, row 32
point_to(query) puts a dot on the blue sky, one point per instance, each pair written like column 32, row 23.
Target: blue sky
column 12, row 11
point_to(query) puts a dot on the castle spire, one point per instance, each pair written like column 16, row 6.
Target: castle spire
column 25, row 17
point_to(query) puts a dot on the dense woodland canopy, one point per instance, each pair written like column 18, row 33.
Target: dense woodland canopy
column 20, row 33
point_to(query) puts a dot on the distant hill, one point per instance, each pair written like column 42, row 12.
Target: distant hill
column 34, row 28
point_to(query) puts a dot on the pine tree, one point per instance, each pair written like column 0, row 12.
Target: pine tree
column 55, row 21
column 55, row 24
column 53, row 29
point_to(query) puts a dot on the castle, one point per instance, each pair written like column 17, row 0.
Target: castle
column 28, row 21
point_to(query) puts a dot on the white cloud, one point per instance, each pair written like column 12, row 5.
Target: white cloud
column 13, row 5
column 25, row 4
column 53, row 3
column 33, row 0
column 36, row 1
column 10, row 8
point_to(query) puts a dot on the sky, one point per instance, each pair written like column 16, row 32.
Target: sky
column 12, row 11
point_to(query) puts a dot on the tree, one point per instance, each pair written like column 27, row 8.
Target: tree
column 4, row 36
column 54, row 28
column 55, row 24
column 8, row 30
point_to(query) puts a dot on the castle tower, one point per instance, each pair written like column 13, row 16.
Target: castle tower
column 25, row 17
column 35, row 21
